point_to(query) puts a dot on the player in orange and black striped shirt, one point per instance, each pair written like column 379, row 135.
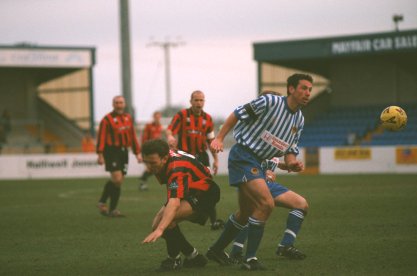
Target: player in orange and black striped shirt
column 152, row 130
column 116, row 134
column 191, row 195
column 195, row 131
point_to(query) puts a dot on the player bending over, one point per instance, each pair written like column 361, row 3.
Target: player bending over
column 191, row 195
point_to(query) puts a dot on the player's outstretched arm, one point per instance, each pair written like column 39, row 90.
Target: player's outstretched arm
column 167, row 218
column 283, row 166
column 172, row 141
column 158, row 218
column 215, row 159
column 293, row 165
column 217, row 144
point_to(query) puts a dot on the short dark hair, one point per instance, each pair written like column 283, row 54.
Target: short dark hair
column 294, row 79
column 155, row 146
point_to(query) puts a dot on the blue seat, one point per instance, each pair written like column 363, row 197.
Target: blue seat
column 332, row 127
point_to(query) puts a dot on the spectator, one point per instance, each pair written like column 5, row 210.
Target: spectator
column 88, row 143
column 153, row 130
column 6, row 124
column 351, row 138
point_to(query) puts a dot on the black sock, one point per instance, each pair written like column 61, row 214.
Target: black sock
column 114, row 197
column 145, row 176
column 185, row 247
column 255, row 233
column 172, row 243
column 230, row 231
column 106, row 192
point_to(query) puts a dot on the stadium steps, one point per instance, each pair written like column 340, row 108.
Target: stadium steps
column 29, row 137
column 20, row 141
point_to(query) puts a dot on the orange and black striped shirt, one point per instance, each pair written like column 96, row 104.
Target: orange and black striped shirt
column 151, row 131
column 193, row 131
column 117, row 130
column 184, row 175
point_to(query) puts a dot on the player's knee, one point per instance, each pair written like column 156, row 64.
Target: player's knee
column 117, row 180
column 302, row 204
column 240, row 217
column 117, row 183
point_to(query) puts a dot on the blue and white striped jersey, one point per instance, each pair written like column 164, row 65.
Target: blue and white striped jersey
column 268, row 127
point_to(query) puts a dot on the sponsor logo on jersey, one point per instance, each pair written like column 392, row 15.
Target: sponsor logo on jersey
column 173, row 186
column 274, row 141
column 194, row 131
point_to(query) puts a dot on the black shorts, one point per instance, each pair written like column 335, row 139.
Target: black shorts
column 116, row 159
column 203, row 157
column 203, row 202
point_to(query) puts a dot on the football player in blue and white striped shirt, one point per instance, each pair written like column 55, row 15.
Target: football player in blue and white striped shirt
column 283, row 197
column 269, row 126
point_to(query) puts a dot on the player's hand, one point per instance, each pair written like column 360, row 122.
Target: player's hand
column 152, row 237
column 282, row 166
column 215, row 167
column 270, row 176
column 100, row 159
column 172, row 142
column 139, row 158
column 296, row 166
column 216, row 145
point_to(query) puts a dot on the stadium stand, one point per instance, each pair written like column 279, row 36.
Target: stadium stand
column 333, row 127
column 24, row 137
column 49, row 94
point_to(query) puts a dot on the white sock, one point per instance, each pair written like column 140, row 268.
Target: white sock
column 192, row 255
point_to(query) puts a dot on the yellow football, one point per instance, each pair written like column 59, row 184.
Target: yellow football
column 393, row 118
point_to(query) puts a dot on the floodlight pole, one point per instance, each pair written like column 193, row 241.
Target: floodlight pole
column 125, row 55
column 397, row 18
column 166, row 47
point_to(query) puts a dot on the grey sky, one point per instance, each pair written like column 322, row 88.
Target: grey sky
column 217, row 57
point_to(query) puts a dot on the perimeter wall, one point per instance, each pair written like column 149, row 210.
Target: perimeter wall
column 345, row 160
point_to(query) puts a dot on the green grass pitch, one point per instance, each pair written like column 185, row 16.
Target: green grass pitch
column 357, row 225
